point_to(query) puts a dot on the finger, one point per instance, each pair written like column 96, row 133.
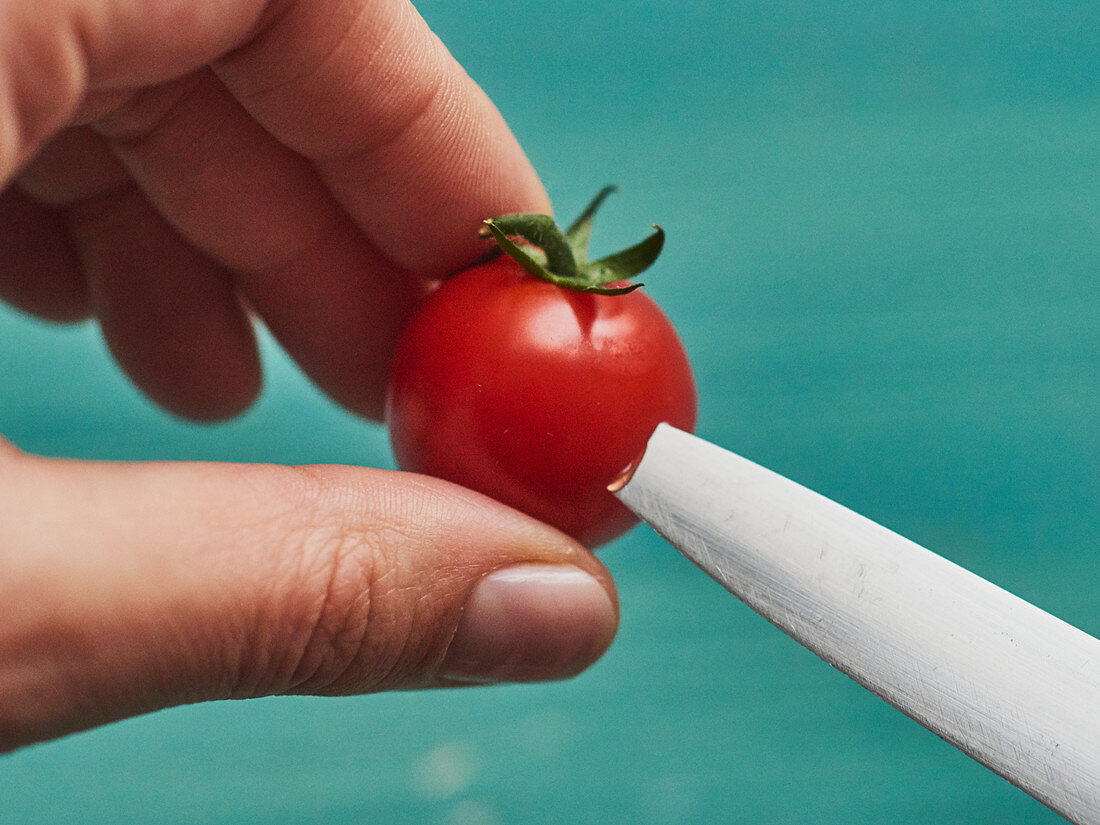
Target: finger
column 250, row 203
column 39, row 270
column 170, row 316
column 55, row 54
column 8, row 451
column 162, row 584
column 407, row 141
column 76, row 165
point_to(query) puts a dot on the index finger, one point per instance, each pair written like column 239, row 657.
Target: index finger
column 402, row 136
column 407, row 142
column 360, row 92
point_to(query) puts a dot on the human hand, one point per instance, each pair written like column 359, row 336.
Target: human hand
column 125, row 588
column 165, row 166
column 321, row 161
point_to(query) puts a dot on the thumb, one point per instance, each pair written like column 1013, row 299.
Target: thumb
column 130, row 587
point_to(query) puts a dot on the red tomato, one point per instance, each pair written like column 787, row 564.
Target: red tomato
column 535, row 395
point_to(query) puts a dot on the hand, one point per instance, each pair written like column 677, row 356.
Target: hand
column 170, row 168
column 321, row 160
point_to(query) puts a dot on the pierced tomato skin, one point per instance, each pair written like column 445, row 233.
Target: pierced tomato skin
column 535, row 395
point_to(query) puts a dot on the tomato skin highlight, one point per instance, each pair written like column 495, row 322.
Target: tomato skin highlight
column 535, row 395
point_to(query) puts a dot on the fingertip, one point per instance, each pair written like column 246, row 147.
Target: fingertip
column 170, row 315
column 531, row 623
column 457, row 589
column 212, row 402
column 39, row 270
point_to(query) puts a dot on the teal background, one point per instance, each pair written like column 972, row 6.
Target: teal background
column 883, row 255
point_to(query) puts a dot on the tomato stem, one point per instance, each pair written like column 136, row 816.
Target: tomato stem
column 564, row 255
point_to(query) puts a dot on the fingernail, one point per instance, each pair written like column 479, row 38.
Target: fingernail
column 531, row 623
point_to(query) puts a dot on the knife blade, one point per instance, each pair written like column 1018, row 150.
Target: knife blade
column 1005, row 682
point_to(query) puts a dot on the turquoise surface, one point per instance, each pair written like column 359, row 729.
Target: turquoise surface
column 884, row 247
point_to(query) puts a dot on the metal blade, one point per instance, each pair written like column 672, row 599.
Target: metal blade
column 1010, row 685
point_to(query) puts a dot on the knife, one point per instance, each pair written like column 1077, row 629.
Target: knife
column 1008, row 684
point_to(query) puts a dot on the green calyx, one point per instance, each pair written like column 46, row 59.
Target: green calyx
column 564, row 255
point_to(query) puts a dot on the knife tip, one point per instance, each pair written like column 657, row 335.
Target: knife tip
column 628, row 471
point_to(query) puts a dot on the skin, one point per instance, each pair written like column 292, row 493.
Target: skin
column 164, row 165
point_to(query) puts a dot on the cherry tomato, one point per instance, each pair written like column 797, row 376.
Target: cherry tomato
column 537, row 395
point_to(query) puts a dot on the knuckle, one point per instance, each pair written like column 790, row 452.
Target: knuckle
column 143, row 115
column 354, row 619
column 74, row 166
column 43, row 62
column 399, row 71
